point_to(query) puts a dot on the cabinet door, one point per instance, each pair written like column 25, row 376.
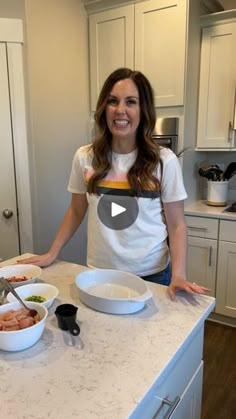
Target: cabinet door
column 111, row 41
column 217, row 87
column 201, row 263
column 189, row 406
column 226, row 283
column 174, row 384
column 160, row 39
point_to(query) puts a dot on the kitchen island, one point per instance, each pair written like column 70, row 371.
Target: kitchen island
column 121, row 366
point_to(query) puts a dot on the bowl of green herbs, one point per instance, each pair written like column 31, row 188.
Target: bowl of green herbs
column 42, row 293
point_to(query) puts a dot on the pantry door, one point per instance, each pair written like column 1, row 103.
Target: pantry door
column 9, row 234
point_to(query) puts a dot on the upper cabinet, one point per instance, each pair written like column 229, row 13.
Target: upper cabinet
column 111, row 42
column 160, row 40
column 216, row 113
column 149, row 36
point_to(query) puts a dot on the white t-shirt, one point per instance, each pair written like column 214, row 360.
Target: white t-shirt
column 141, row 248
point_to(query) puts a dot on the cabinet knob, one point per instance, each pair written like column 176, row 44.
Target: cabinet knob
column 7, row 213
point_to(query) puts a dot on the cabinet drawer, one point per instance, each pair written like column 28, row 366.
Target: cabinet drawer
column 228, row 231
column 202, row 227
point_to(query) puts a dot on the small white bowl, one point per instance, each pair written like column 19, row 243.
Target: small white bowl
column 44, row 290
column 18, row 340
column 32, row 272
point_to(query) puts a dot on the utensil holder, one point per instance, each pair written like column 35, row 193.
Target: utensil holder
column 217, row 193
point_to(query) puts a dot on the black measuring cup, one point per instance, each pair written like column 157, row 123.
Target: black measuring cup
column 66, row 317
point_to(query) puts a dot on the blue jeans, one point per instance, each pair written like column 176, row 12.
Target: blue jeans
column 162, row 278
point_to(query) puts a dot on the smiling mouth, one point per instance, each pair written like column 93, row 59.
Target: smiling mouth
column 121, row 123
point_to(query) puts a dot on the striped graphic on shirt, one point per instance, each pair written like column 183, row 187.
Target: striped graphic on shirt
column 119, row 186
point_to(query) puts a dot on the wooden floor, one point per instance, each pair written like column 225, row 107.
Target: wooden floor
column 219, row 379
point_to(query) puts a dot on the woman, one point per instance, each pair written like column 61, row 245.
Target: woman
column 125, row 161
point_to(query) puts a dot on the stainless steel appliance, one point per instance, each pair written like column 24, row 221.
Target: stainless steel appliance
column 166, row 132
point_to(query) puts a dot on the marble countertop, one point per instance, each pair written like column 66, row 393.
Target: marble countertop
column 107, row 370
column 201, row 209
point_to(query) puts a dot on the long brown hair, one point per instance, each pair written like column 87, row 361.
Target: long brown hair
column 140, row 175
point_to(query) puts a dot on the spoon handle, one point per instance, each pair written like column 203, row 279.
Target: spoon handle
column 7, row 285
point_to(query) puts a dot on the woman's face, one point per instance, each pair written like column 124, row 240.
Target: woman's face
column 123, row 111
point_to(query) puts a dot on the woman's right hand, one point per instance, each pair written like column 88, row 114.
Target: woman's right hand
column 40, row 260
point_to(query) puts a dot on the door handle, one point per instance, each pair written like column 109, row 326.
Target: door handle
column 7, row 213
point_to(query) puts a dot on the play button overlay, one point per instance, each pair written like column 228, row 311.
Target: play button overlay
column 117, row 212
column 116, row 209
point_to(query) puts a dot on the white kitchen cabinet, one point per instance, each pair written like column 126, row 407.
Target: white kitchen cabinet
column 190, row 403
column 226, row 275
column 111, row 43
column 217, row 88
column 202, row 251
column 212, row 259
column 179, row 395
column 202, row 258
column 160, row 40
column 149, row 36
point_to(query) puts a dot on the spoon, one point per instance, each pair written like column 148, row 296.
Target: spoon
column 7, row 285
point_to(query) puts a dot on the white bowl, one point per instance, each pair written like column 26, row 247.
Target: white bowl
column 44, row 290
column 32, row 272
column 112, row 291
column 22, row 339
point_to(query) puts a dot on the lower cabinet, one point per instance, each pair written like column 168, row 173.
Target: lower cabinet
column 226, row 277
column 190, row 403
column 202, row 259
column 178, row 393
column 212, row 259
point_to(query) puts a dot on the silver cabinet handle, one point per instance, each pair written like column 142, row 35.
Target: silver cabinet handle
column 198, row 228
column 172, row 405
column 210, row 256
column 230, row 131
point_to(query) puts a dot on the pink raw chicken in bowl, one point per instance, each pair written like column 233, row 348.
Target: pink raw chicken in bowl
column 28, row 331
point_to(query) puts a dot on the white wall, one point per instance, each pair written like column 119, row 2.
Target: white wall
column 58, row 91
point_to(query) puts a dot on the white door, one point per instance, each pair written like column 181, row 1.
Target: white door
column 9, row 237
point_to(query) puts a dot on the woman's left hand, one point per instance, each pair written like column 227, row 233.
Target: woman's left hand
column 180, row 284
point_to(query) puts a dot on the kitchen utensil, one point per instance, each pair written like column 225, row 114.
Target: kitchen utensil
column 212, row 172
column 112, row 291
column 31, row 272
column 231, row 208
column 229, row 171
column 66, row 317
column 17, row 340
column 7, row 285
column 44, row 290
column 205, row 164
